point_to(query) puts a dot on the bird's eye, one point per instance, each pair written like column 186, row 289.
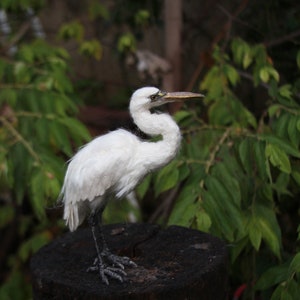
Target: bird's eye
column 154, row 97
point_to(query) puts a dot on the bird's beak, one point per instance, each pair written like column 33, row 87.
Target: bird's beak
column 180, row 96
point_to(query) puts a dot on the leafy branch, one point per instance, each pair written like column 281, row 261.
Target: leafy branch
column 216, row 149
column 20, row 138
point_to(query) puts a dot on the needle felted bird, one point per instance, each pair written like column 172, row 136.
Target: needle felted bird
column 113, row 165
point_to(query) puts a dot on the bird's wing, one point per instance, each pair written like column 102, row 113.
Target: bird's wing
column 97, row 168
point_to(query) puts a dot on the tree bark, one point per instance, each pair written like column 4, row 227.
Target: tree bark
column 173, row 28
column 174, row 263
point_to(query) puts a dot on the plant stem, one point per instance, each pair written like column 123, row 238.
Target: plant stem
column 20, row 138
column 216, row 149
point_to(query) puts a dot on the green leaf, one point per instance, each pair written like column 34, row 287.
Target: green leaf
column 281, row 125
column 268, row 226
column 143, row 187
column 220, row 114
column 278, row 158
column 142, row 17
column 295, row 264
column 245, row 154
column 242, row 53
column 264, row 74
column 274, row 110
column 223, row 174
column 203, row 220
column 296, row 176
column 255, row 234
column 78, row 131
column 71, row 30
column 221, row 220
column 272, row 276
column 237, row 50
column 281, row 293
column 185, row 202
column 8, row 96
column 33, row 244
column 15, row 286
column 60, row 137
column 249, row 117
column 22, row 73
column 261, row 160
column 126, row 42
column 25, row 53
column 225, row 205
column 247, row 60
column 293, row 133
column 7, row 214
column 281, row 185
column 97, row 10
column 274, row 74
column 91, row 48
column 214, row 83
column 286, row 91
column 37, row 185
column 184, row 172
column 188, row 215
column 181, row 115
column 293, row 288
column 231, row 74
column 166, row 178
column 284, row 145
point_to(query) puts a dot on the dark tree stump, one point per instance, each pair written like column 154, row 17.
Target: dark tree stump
column 175, row 263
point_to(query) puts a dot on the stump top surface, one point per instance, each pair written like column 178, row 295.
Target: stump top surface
column 168, row 260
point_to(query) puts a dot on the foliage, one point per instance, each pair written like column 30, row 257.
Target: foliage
column 37, row 102
column 74, row 30
column 241, row 174
column 38, row 131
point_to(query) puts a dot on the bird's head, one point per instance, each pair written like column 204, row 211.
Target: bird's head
column 149, row 97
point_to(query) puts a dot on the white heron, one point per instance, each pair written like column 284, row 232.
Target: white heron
column 113, row 164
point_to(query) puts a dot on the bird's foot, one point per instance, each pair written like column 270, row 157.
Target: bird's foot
column 116, row 271
column 106, row 271
column 118, row 261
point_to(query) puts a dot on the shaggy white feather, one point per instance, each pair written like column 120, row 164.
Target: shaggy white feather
column 113, row 164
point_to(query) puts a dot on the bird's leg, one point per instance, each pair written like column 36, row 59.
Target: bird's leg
column 117, row 261
column 98, row 265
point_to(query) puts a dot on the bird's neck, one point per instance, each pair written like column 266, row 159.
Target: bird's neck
column 158, row 154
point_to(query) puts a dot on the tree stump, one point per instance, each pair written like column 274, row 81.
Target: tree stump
column 173, row 263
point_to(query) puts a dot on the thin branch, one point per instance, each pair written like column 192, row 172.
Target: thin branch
column 250, row 77
column 20, row 138
column 15, row 39
column 216, row 149
column 282, row 39
column 227, row 27
column 164, row 208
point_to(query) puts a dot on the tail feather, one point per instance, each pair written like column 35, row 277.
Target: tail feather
column 71, row 217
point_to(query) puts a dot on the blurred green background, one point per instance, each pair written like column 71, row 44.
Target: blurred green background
column 67, row 70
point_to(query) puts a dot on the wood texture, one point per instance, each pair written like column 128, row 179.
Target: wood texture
column 173, row 263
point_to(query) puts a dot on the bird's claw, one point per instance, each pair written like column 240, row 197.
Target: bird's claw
column 116, row 271
column 120, row 261
column 106, row 272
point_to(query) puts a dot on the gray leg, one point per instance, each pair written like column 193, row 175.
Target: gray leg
column 98, row 265
column 115, row 260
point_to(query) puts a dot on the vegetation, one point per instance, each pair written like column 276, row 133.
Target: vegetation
column 240, row 176
column 38, row 130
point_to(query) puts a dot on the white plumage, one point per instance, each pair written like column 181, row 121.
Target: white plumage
column 113, row 164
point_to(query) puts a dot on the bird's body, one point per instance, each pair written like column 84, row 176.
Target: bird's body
column 113, row 164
